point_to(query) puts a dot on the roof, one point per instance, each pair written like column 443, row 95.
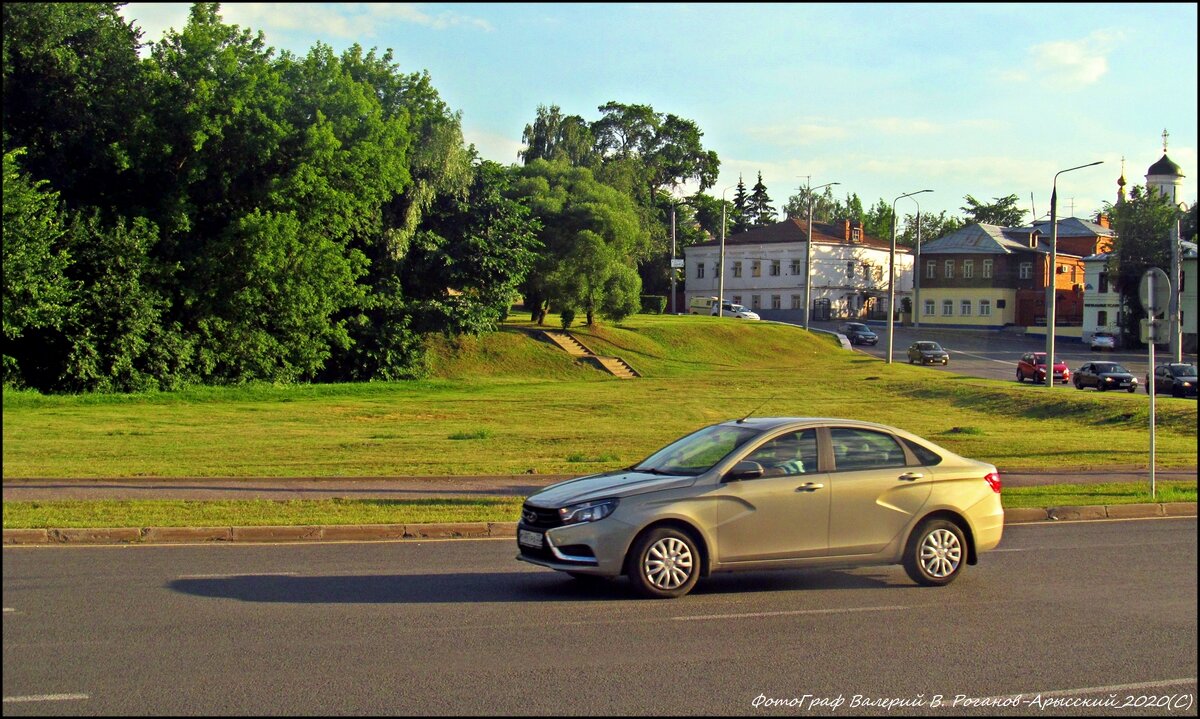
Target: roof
column 796, row 230
column 1165, row 167
column 979, row 238
column 1074, row 227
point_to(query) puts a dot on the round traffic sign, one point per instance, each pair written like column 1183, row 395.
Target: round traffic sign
column 1154, row 291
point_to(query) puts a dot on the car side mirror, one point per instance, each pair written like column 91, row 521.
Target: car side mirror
column 745, row 469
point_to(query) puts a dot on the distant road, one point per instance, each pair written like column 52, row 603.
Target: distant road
column 1068, row 611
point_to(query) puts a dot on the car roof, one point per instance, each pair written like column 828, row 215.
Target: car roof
column 768, row 423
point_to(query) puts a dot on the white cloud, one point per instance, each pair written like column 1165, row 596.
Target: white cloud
column 493, row 146
column 1070, row 63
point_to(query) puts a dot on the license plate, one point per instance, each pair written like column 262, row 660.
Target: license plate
column 529, row 539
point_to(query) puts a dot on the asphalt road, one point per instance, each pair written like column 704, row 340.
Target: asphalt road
column 1063, row 612
column 994, row 355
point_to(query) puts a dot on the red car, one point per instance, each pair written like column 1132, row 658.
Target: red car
column 1033, row 366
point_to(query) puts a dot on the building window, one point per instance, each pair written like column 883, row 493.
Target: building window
column 1026, row 271
column 797, row 302
column 947, row 308
column 1102, row 318
column 755, row 302
column 987, row 269
column 700, row 271
column 968, row 269
column 931, row 270
column 949, row 269
column 776, row 302
column 849, row 269
column 985, row 308
column 855, row 234
column 1103, row 282
column 966, row 308
column 774, row 268
column 1073, row 277
column 737, row 299
column 756, row 269
column 737, row 269
column 795, row 267
column 929, row 308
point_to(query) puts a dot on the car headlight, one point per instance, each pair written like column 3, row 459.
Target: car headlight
column 1187, row 384
column 1108, row 379
column 587, row 511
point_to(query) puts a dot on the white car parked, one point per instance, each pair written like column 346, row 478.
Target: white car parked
column 728, row 309
column 1104, row 341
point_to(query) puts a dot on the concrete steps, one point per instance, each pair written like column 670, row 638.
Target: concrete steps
column 615, row 366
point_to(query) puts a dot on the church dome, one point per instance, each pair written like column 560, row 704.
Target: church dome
column 1165, row 167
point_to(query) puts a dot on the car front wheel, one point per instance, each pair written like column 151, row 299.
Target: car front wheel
column 936, row 553
column 1077, row 384
column 1020, row 376
column 664, row 563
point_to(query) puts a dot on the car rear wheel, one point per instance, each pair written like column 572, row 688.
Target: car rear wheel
column 936, row 553
column 664, row 563
column 1020, row 376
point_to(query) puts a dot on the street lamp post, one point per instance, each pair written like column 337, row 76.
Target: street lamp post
column 721, row 261
column 1052, row 285
column 673, row 310
column 916, row 304
column 808, row 256
column 892, row 274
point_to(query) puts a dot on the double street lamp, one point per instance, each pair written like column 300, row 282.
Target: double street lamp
column 721, row 262
column 1052, row 284
column 892, row 274
column 808, row 255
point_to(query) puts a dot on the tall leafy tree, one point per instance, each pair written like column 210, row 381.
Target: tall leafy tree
column 588, row 229
column 759, row 205
column 554, row 136
column 1142, row 224
column 933, row 226
column 877, row 222
column 1002, row 211
column 824, row 207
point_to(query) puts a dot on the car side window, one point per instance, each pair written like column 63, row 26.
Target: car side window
column 788, row 454
column 864, row 449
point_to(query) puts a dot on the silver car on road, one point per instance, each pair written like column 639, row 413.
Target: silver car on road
column 770, row 493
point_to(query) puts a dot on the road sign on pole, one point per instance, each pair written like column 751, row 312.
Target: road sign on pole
column 1154, row 291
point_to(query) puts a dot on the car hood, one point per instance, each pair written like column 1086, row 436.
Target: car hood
column 621, row 483
column 934, row 353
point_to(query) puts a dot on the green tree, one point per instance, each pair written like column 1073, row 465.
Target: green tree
column 37, row 293
column 740, row 217
column 877, row 222
column 824, row 207
column 759, row 205
column 933, row 226
column 73, row 88
column 1002, row 211
column 1142, row 224
column 553, row 136
column 587, row 228
column 466, row 266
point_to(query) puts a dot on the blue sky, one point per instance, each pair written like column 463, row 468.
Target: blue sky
column 982, row 99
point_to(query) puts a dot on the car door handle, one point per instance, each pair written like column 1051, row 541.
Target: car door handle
column 910, row 476
column 809, row 487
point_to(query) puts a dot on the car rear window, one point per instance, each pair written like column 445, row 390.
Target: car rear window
column 927, row 457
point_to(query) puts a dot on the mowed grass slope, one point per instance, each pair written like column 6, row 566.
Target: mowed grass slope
column 508, row 403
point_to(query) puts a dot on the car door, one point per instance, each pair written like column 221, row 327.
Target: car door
column 876, row 490
column 775, row 517
column 1085, row 375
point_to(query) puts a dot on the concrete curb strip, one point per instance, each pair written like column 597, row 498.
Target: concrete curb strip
column 466, row 530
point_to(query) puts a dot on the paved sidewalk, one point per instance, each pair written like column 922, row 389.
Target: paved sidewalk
column 422, row 487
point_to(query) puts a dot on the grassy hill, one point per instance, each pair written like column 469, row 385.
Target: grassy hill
column 509, row 403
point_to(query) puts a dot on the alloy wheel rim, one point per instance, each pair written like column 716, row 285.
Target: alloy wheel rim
column 668, row 563
column 941, row 553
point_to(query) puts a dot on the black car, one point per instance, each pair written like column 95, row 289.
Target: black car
column 927, row 353
column 1175, row 378
column 1105, row 376
column 858, row 333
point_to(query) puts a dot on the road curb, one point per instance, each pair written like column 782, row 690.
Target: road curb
column 472, row 530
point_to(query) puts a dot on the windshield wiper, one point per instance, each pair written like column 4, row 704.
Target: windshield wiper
column 648, row 470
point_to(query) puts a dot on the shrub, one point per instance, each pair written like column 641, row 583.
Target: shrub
column 654, row 304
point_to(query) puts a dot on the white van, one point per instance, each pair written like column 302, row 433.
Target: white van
column 701, row 305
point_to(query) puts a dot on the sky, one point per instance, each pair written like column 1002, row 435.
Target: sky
column 987, row 100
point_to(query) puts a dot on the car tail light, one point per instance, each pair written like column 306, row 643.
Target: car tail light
column 993, row 480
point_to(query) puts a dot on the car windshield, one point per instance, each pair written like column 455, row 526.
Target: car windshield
column 1041, row 359
column 698, row 452
column 929, row 346
column 1186, row 370
column 857, row 328
column 1110, row 367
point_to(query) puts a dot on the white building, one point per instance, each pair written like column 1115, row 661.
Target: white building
column 766, row 271
column 1101, row 298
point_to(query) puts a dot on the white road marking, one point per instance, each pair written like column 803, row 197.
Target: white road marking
column 1098, row 690
column 46, row 698
column 8, row 610
column 982, row 357
column 232, row 576
column 789, row 613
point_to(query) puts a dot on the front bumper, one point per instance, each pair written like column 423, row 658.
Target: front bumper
column 935, row 360
column 587, row 548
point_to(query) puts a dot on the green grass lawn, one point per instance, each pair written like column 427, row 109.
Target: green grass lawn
column 247, row 513
column 509, row 404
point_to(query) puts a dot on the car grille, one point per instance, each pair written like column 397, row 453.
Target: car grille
column 539, row 517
